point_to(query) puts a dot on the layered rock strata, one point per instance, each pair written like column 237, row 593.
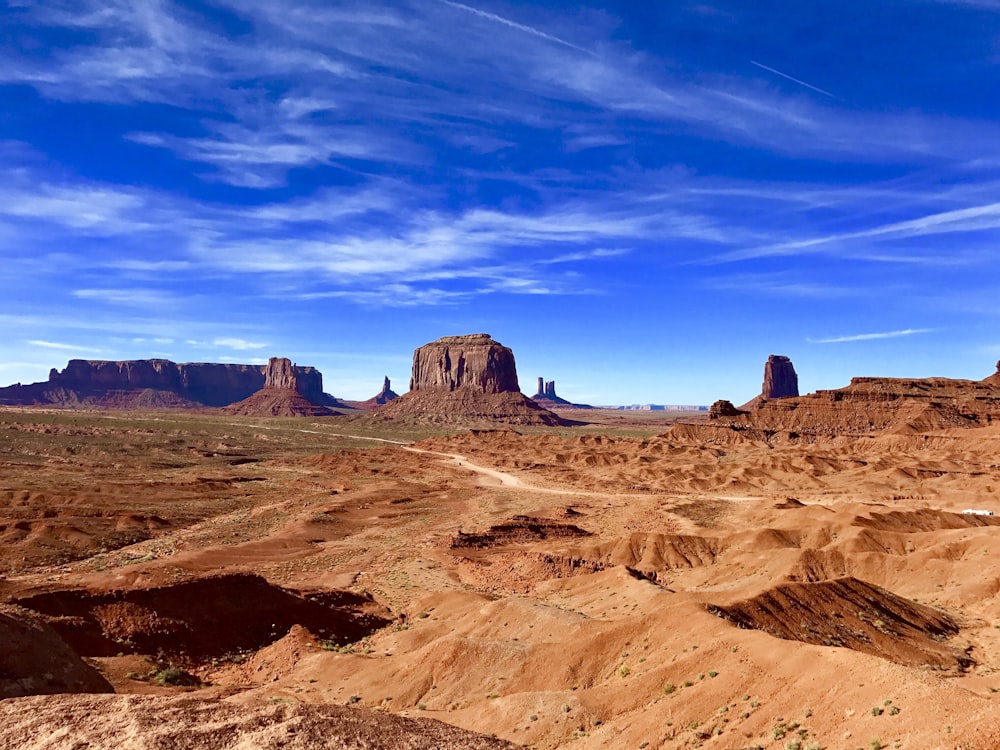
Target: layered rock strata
column 780, row 379
column 462, row 378
column 869, row 405
column 153, row 383
column 282, row 394
column 474, row 360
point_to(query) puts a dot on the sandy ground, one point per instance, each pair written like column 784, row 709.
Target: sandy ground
column 618, row 586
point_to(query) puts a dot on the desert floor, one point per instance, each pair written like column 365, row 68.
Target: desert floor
column 624, row 584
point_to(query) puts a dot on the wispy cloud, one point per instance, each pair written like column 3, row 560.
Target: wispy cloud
column 870, row 336
column 238, row 344
column 61, row 346
column 154, row 298
column 244, row 360
column 514, row 25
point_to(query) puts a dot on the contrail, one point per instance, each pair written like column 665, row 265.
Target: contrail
column 515, row 25
column 784, row 75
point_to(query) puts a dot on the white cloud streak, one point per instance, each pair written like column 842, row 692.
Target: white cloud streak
column 794, row 80
column 870, row 336
column 61, row 346
column 514, row 25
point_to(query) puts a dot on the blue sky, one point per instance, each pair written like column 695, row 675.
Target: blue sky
column 642, row 199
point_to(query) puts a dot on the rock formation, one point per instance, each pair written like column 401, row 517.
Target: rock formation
column 154, row 383
column 462, row 378
column 383, row 397
column 282, row 394
column 546, row 396
column 869, row 405
column 474, row 360
column 780, row 380
column 723, row 408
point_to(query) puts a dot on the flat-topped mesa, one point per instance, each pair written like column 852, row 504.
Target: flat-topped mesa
column 157, row 383
column 473, row 361
column 780, row 380
column 140, row 382
column 466, row 379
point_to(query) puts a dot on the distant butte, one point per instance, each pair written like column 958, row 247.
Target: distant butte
column 547, row 397
column 780, row 381
column 458, row 378
column 284, row 395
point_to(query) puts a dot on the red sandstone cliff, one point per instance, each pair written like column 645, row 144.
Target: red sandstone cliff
column 154, row 383
column 461, row 378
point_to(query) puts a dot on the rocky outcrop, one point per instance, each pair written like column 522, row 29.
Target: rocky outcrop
column 462, row 379
column 994, row 379
column 780, row 379
column 383, row 397
column 474, row 361
column 870, row 405
column 34, row 660
column 283, row 396
column 154, row 383
column 723, row 408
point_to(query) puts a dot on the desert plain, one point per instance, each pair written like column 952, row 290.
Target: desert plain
column 624, row 582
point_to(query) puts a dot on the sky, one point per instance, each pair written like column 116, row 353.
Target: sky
column 642, row 199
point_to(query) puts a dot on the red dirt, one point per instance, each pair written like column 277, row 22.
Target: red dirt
column 853, row 614
column 202, row 618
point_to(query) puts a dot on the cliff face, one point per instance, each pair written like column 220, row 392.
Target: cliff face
column 466, row 379
column 99, row 382
column 780, row 379
column 475, row 361
column 870, row 405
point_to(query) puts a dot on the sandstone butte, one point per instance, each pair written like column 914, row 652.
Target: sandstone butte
column 546, row 394
column 780, row 381
column 458, row 378
column 284, row 394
